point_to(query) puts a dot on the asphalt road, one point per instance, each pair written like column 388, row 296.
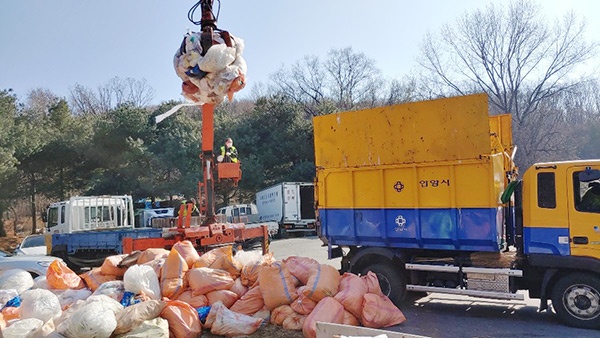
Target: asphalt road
column 439, row 315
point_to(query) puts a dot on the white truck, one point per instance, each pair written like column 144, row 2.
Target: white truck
column 290, row 204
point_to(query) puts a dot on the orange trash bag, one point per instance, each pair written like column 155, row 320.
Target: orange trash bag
column 323, row 282
column 110, row 266
column 183, row 319
column 94, row 278
column 250, row 303
column 350, row 319
column 205, row 280
column 280, row 313
column 372, row 283
column 277, row 285
column 379, row 311
column 224, row 296
column 171, row 278
column 303, row 305
column 294, row 322
column 328, row 310
column 249, row 273
column 301, row 267
column 210, row 257
column 59, row 276
column 194, row 301
column 187, row 251
column 351, row 291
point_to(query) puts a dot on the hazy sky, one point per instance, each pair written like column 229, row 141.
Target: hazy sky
column 56, row 44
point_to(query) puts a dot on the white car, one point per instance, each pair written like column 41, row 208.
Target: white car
column 32, row 245
column 35, row 265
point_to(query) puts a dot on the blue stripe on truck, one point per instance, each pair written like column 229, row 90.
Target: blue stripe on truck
column 553, row 241
column 473, row 229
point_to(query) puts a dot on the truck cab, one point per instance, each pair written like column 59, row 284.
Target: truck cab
column 238, row 213
column 84, row 213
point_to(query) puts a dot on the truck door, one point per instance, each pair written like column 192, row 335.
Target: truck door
column 291, row 200
column 584, row 220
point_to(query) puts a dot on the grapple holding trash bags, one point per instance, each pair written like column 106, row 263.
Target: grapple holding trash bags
column 210, row 62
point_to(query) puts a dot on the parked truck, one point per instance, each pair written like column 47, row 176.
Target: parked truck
column 290, row 204
column 84, row 230
column 426, row 195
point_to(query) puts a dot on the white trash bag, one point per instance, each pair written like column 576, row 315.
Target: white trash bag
column 41, row 304
column 23, row 328
column 142, row 279
column 91, row 320
column 17, row 279
column 154, row 328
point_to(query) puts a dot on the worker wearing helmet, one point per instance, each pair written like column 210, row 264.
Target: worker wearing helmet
column 228, row 152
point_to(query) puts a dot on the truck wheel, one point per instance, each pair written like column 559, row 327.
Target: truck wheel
column 576, row 300
column 391, row 281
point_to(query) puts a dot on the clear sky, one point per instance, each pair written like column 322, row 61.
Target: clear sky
column 55, row 44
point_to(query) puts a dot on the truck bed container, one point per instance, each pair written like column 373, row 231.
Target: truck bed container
column 419, row 175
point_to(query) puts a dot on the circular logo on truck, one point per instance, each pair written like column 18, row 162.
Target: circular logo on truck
column 398, row 186
column 400, row 223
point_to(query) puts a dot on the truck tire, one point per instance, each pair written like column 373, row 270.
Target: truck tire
column 391, row 281
column 576, row 300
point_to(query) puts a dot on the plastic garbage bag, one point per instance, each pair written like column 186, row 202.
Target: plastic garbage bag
column 301, row 267
column 327, row 310
column 89, row 321
column 183, row 319
column 69, row 297
column 106, row 302
column 142, row 279
column 59, row 276
column 195, row 301
column 22, row 328
column 220, row 72
column 7, row 295
column 113, row 289
column 41, row 304
column 280, row 288
column 350, row 293
column 154, row 328
column 187, row 251
column 378, row 311
column 303, row 305
column 249, row 273
column 205, row 280
column 110, row 266
column 94, row 278
column 16, row 279
column 229, row 323
column 40, row 282
column 250, row 303
column 171, row 278
column 132, row 316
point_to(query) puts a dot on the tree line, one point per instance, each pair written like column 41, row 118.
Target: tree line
column 104, row 141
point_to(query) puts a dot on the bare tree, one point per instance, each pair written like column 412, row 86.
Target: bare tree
column 353, row 77
column 511, row 54
column 304, row 83
column 113, row 94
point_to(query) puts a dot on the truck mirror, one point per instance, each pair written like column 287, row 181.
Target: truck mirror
column 589, row 175
column 44, row 216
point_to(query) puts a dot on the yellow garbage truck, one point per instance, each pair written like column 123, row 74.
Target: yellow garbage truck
column 427, row 196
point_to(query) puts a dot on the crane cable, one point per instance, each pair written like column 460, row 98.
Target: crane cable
column 193, row 10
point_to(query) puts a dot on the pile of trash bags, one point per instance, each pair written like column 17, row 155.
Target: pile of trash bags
column 178, row 293
column 220, row 72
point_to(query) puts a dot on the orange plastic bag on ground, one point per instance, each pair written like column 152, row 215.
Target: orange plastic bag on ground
column 10, row 312
column 59, row 276
column 294, row 322
column 225, row 322
column 183, row 319
column 250, row 303
column 94, row 278
column 372, row 283
column 171, row 277
column 280, row 313
column 156, row 265
column 277, row 285
column 350, row 319
column 110, row 266
column 327, row 310
column 224, row 296
column 194, row 301
column 351, row 291
column 249, row 273
column 187, row 251
column 205, row 280
column 303, row 305
column 301, row 267
column 323, row 282
column 238, row 287
column 152, row 254
column 210, row 257
column 228, row 263
column 379, row 311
